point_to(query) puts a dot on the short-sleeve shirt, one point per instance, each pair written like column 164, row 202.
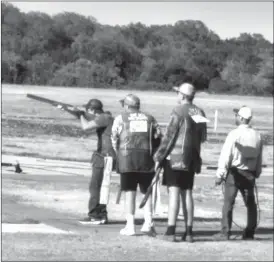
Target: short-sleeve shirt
column 104, row 122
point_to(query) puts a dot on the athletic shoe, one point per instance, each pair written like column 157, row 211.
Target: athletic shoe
column 127, row 231
column 94, row 220
column 149, row 229
column 187, row 238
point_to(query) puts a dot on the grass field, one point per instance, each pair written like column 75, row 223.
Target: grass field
column 58, row 196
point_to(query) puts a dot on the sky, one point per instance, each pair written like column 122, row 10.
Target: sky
column 227, row 19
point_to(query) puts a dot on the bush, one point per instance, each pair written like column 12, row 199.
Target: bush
column 217, row 85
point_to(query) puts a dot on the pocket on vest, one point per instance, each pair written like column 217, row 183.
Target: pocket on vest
column 97, row 160
column 180, row 162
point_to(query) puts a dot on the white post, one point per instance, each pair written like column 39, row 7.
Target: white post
column 216, row 120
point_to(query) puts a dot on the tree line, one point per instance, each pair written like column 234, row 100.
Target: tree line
column 69, row 49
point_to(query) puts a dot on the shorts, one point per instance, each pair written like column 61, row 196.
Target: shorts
column 130, row 181
column 177, row 178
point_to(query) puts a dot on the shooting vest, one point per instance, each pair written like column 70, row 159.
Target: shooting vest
column 135, row 147
column 185, row 154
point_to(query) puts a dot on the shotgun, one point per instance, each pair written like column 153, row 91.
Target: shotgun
column 73, row 110
column 150, row 188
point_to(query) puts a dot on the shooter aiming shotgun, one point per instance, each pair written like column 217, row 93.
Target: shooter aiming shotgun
column 93, row 118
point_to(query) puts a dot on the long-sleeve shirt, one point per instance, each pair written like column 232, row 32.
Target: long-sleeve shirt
column 169, row 139
column 242, row 149
column 118, row 126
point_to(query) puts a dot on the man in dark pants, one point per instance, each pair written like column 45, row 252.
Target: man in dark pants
column 240, row 163
column 181, row 144
column 101, row 122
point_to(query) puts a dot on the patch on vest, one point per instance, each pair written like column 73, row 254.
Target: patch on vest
column 196, row 116
column 199, row 119
column 138, row 126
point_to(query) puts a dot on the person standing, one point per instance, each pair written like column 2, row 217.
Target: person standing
column 135, row 137
column 100, row 122
column 179, row 154
column 240, row 164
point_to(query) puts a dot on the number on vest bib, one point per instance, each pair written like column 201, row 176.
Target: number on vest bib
column 138, row 126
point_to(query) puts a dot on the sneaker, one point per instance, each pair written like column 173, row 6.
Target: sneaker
column 149, row 229
column 127, row 231
column 221, row 236
column 94, row 220
column 187, row 238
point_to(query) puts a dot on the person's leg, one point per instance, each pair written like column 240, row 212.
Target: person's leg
column 249, row 200
column 144, row 180
column 245, row 181
column 186, row 185
column 95, row 210
column 230, row 194
column 183, row 198
column 173, row 185
column 173, row 209
column 247, row 185
column 129, row 185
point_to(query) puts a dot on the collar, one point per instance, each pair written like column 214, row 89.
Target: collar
column 244, row 126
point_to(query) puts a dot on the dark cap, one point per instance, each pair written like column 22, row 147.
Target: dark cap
column 131, row 100
column 94, row 104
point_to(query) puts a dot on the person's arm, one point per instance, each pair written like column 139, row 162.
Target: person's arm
column 225, row 156
column 156, row 129
column 115, row 132
column 168, row 139
column 259, row 161
column 204, row 130
column 99, row 121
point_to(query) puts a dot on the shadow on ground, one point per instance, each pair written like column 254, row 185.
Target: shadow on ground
column 139, row 221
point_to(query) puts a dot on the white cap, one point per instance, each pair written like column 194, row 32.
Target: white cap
column 185, row 88
column 245, row 112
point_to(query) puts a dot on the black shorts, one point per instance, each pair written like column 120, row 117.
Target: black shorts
column 129, row 181
column 177, row 178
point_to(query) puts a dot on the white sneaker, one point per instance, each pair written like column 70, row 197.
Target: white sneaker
column 127, row 231
column 148, row 229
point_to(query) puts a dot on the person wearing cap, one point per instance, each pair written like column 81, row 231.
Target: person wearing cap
column 135, row 137
column 101, row 122
column 179, row 154
column 240, row 163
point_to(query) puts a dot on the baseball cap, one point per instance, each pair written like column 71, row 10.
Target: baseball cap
column 245, row 112
column 94, row 104
column 131, row 100
column 185, row 88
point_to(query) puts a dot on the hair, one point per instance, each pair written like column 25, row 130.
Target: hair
column 188, row 98
column 96, row 111
column 245, row 121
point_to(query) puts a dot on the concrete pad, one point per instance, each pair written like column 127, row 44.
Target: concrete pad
column 32, row 228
